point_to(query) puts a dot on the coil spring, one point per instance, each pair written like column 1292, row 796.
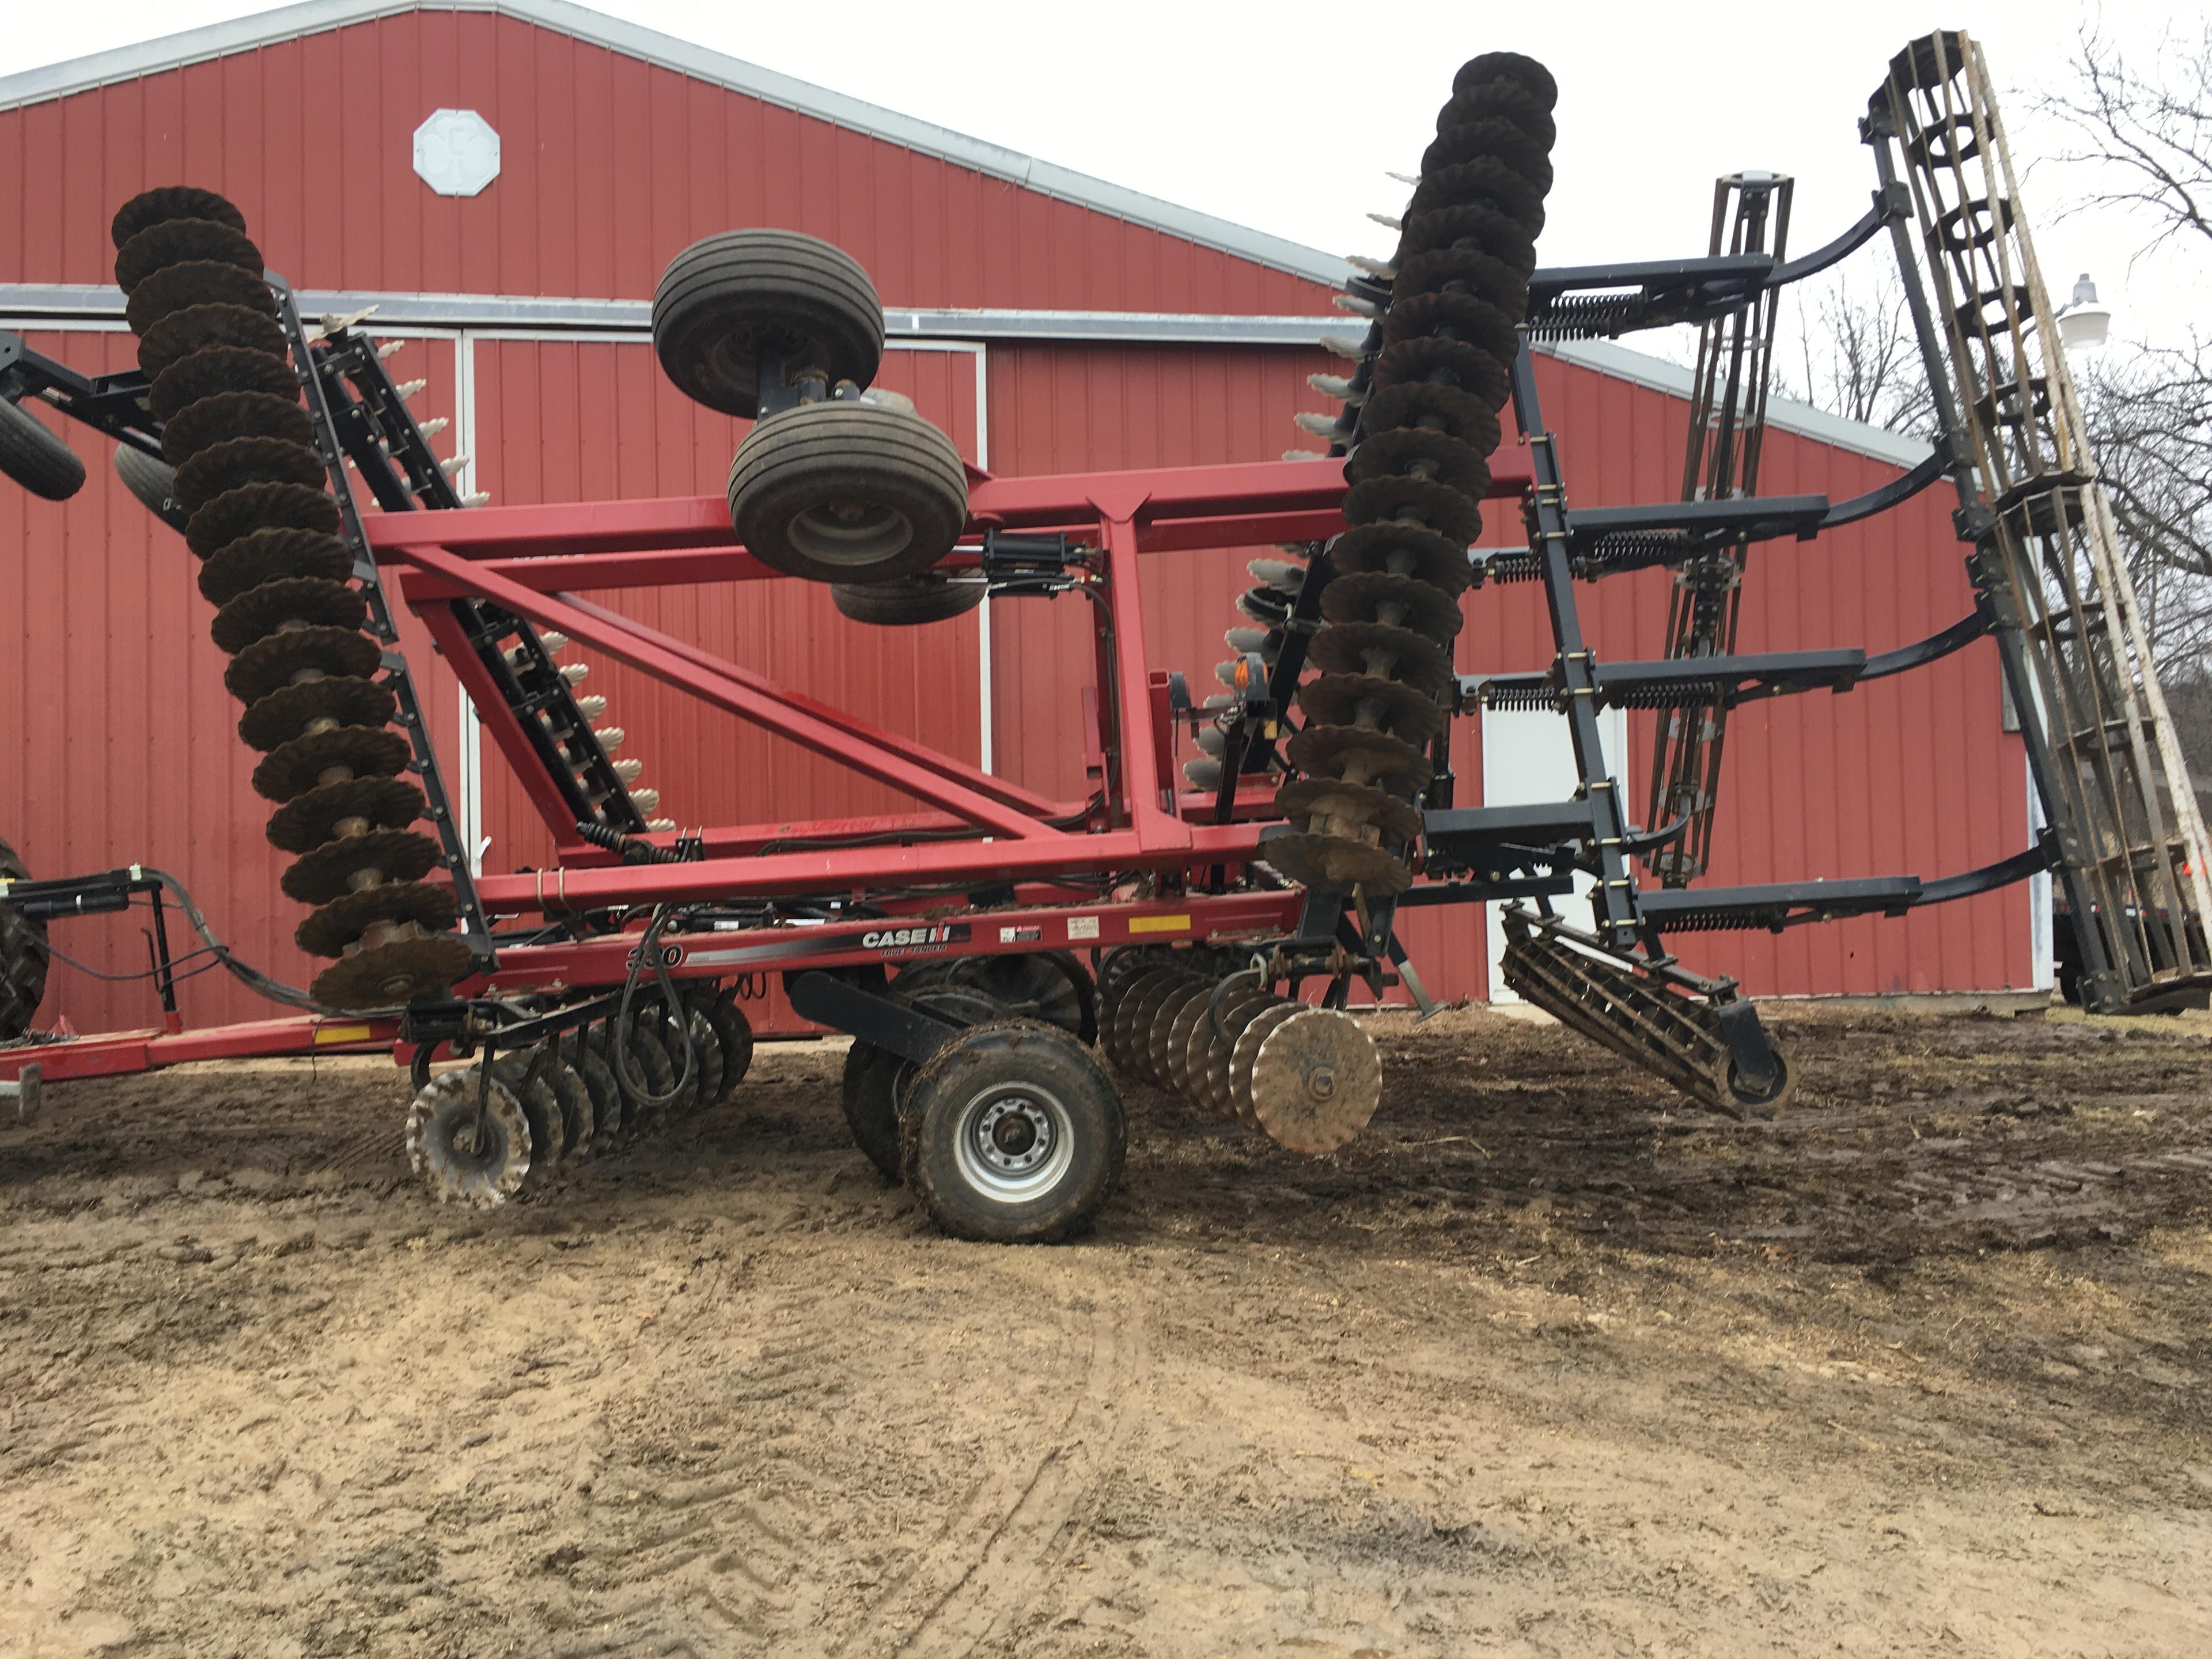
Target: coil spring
column 1508, row 697
column 1634, row 549
column 1694, row 694
column 1711, row 921
column 1584, row 316
column 1518, row 566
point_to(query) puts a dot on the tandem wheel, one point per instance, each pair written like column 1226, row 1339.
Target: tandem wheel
column 729, row 300
column 847, row 492
column 1012, row 1133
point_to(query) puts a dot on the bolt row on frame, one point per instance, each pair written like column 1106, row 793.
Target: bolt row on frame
column 1197, row 924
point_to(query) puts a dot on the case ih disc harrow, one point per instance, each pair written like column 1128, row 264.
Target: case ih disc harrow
column 593, row 998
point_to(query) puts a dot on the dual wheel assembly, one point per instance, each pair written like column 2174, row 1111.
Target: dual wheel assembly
column 837, row 482
column 480, row 1134
column 1010, row 1132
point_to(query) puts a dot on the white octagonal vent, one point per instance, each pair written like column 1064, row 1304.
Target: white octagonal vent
column 456, row 152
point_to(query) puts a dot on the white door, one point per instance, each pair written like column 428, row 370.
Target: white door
column 1527, row 758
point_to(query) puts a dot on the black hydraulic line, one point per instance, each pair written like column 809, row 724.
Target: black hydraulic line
column 252, row 978
column 1892, row 205
column 618, row 1035
column 1885, row 496
column 1937, row 646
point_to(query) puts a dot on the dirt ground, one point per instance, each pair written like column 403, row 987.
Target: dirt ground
column 1541, row 1365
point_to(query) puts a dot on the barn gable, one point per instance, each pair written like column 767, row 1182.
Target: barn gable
column 619, row 146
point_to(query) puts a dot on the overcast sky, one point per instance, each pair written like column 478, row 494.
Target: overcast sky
column 1285, row 117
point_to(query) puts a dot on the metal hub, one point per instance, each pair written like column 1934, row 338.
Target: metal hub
column 1315, row 1080
column 851, row 532
column 1015, row 1142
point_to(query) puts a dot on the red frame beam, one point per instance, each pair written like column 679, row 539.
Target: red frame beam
column 1176, row 508
column 918, row 936
column 626, row 643
column 145, row 1051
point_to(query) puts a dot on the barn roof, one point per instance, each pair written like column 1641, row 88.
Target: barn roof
column 683, row 57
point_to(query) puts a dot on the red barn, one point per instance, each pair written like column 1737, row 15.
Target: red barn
column 1049, row 321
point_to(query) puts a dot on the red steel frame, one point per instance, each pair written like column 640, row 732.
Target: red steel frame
column 529, row 560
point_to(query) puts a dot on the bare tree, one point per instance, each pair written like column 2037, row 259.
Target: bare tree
column 1858, row 357
column 2148, row 134
column 2151, row 133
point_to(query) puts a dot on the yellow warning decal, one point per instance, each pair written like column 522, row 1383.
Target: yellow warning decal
column 1159, row 924
column 343, row 1033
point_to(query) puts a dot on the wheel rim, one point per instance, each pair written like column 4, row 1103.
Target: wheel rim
column 851, row 532
column 1014, row 1142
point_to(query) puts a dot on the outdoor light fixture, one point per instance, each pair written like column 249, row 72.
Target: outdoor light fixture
column 2082, row 322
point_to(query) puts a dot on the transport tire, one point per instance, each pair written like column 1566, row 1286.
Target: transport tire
column 869, row 1094
column 908, row 601
column 24, row 957
column 875, row 1084
column 1012, row 1134
column 847, row 492
column 35, row 458
column 726, row 301
column 153, row 482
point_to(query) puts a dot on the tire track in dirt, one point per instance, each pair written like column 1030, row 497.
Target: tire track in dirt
column 1000, row 1557
column 705, row 1513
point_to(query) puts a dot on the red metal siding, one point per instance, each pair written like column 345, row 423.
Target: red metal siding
column 609, row 166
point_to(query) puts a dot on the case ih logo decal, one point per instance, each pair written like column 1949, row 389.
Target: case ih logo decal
column 918, row 940
column 898, row 941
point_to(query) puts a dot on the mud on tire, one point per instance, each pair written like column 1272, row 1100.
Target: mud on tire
column 1012, row 1134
